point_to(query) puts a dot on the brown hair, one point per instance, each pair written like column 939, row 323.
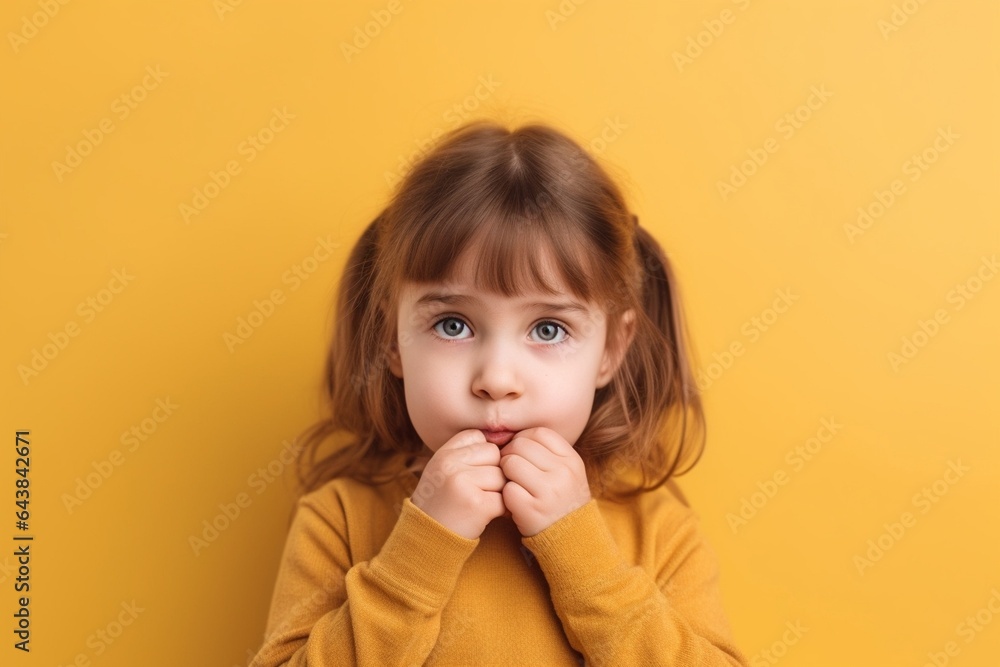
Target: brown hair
column 508, row 193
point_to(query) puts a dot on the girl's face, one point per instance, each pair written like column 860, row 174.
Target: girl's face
column 478, row 360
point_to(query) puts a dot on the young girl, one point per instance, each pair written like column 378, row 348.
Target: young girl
column 510, row 386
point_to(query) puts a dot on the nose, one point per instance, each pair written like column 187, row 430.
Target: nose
column 497, row 374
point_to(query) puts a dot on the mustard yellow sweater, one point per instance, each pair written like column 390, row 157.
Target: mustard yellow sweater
column 368, row 578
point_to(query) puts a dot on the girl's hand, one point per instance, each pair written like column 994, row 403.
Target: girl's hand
column 460, row 485
column 546, row 477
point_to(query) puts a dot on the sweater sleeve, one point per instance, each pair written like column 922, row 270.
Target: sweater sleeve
column 616, row 613
column 384, row 611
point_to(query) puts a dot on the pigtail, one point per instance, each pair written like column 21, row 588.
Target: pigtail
column 654, row 391
column 661, row 300
column 353, row 373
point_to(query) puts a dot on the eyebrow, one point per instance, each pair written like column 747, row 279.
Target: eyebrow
column 448, row 298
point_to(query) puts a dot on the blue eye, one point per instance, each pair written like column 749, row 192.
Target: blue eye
column 450, row 327
column 547, row 331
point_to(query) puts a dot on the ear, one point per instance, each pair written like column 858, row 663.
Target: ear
column 616, row 346
column 395, row 363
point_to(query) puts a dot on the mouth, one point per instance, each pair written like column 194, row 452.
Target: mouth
column 499, row 438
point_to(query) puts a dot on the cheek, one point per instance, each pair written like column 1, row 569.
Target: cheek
column 580, row 401
column 424, row 364
column 430, row 381
column 567, row 389
column 571, row 412
column 579, row 368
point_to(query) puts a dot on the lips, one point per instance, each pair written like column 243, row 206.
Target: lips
column 499, row 438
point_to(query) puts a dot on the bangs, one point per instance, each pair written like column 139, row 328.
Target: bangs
column 508, row 246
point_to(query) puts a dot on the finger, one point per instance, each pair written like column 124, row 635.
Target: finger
column 478, row 454
column 549, row 439
column 531, row 450
column 516, row 467
column 499, row 508
column 469, row 436
column 487, row 478
column 515, row 493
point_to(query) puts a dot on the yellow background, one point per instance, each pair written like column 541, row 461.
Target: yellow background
column 672, row 130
